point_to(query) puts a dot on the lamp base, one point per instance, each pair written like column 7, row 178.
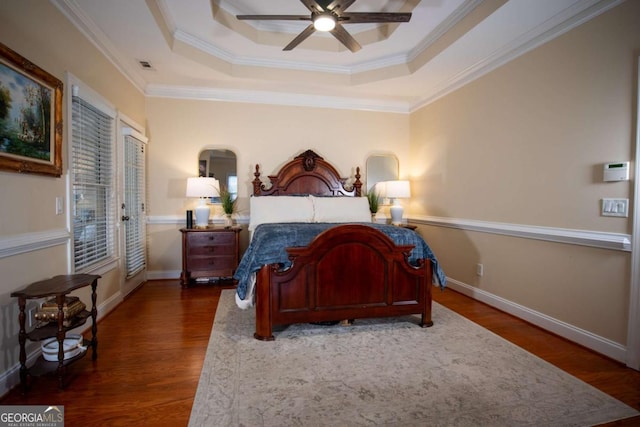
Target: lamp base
column 202, row 212
column 396, row 214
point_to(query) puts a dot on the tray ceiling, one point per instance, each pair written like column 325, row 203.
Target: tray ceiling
column 198, row 49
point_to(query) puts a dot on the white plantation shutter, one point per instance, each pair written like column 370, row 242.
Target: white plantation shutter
column 134, row 209
column 92, row 164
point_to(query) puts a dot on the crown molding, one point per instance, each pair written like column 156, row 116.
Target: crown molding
column 442, row 29
column 92, row 32
column 208, row 48
column 276, row 98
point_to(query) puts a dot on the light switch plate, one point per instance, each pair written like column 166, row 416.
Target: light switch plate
column 59, row 205
column 615, row 207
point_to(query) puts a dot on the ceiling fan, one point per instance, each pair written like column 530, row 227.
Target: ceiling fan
column 330, row 16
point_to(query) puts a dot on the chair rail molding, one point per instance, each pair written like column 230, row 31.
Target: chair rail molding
column 598, row 239
column 29, row 242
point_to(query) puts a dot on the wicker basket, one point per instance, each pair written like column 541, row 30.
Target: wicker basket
column 72, row 346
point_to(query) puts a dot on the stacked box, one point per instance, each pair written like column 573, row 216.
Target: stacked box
column 49, row 310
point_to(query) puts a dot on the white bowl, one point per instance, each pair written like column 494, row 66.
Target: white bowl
column 72, row 346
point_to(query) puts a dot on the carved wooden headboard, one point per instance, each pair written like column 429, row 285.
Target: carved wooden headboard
column 307, row 173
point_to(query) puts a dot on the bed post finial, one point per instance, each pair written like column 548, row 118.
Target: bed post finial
column 357, row 185
column 256, row 181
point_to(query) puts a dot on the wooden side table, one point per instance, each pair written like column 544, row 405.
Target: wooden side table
column 58, row 287
column 212, row 252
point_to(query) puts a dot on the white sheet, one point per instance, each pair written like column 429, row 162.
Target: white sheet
column 249, row 299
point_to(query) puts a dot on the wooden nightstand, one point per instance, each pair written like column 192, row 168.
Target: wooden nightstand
column 211, row 253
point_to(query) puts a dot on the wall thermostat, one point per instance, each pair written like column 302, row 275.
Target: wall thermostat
column 618, row 171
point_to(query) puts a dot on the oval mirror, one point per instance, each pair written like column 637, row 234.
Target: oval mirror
column 219, row 164
column 381, row 168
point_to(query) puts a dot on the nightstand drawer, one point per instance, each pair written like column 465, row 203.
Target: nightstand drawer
column 212, row 250
column 211, row 263
column 205, row 239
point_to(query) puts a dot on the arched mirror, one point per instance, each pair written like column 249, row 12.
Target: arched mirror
column 381, row 168
column 220, row 164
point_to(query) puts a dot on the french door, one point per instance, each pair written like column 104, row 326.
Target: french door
column 132, row 210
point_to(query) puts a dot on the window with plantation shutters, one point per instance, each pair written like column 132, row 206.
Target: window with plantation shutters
column 92, row 167
column 133, row 206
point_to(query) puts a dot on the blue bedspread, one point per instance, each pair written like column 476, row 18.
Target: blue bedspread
column 269, row 243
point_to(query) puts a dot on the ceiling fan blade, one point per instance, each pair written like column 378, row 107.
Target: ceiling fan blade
column 345, row 38
column 339, row 6
column 275, row 17
column 301, row 37
column 313, row 6
column 373, row 17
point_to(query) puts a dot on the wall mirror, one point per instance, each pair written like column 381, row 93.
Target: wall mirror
column 383, row 167
column 220, row 164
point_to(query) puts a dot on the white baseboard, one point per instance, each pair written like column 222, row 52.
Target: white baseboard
column 11, row 377
column 587, row 339
column 163, row 274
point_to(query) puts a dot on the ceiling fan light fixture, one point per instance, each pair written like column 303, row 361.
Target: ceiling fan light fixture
column 324, row 22
column 329, row 16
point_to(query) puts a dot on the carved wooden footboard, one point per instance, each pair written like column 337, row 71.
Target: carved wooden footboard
column 348, row 272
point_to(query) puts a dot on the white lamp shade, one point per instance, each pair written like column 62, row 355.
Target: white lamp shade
column 202, row 188
column 398, row 189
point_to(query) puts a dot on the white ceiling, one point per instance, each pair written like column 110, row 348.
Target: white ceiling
column 198, row 49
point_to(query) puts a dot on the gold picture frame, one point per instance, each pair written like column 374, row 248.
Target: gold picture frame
column 30, row 117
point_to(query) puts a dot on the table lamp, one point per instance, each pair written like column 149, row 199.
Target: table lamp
column 397, row 190
column 203, row 188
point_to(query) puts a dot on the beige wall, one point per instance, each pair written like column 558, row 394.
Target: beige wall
column 265, row 134
column 39, row 32
column 525, row 145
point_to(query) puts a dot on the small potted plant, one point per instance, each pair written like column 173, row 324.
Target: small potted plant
column 372, row 196
column 228, row 205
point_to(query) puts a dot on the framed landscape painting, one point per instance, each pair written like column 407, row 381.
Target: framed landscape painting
column 30, row 117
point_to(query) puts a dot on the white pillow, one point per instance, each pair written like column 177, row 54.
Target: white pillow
column 341, row 209
column 272, row 209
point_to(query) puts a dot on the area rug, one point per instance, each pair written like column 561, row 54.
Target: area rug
column 385, row 372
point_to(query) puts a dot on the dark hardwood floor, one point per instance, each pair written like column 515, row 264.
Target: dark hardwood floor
column 151, row 350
